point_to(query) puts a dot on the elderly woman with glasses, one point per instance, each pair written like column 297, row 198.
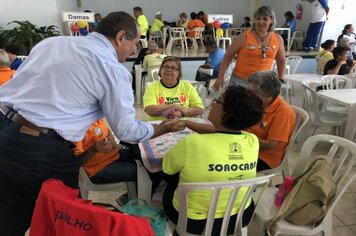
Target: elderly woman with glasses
column 203, row 157
column 255, row 50
column 277, row 125
column 170, row 96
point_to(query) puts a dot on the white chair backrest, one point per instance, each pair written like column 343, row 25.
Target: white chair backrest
column 248, row 185
column 293, row 62
column 320, row 63
column 311, row 102
column 336, row 82
column 302, row 119
column 176, row 32
column 152, row 71
column 343, row 154
column 297, row 36
column 352, row 77
column 201, row 89
column 198, row 32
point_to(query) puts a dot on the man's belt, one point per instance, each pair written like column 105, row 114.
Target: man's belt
column 27, row 126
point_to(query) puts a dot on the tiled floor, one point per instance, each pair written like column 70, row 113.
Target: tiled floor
column 344, row 220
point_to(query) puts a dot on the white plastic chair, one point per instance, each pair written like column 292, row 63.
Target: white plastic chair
column 216, row 187
column 157, row 37
column 318, row 117
column 86, row 185
column 222, row 41
column 335, row 82
column 152, row 75
column 300, row 129
column 343, row 154
column 352, row 77
column 296, row 40
column 293, row 62
column 198, row 36
column 177, row 34
column 200, row 87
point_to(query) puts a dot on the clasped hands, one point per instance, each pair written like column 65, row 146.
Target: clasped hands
column 176, row 111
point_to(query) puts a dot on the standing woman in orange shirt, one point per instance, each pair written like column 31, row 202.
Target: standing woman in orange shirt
column 255, row 50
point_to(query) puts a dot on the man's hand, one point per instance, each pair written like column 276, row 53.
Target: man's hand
column 179, row 126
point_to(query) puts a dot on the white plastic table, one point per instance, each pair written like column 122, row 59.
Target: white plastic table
column 347, row 98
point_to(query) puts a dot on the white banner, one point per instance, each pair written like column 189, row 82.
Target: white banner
column 221, row 18
column 77, row 16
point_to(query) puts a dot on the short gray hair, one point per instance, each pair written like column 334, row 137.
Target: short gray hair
column 267, row 83
column 265, row 11
column 4, row 58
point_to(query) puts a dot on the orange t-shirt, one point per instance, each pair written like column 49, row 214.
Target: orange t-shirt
column 96, row 133
column 249, row 58
column 192, row 24
column 277, row 124
column 6, row 74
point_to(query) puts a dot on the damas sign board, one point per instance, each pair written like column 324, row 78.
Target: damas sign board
column 220, row 17
column 77, row 16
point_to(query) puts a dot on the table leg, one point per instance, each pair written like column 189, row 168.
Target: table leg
column 144, row 183
column 350, row 128
column 138, row 78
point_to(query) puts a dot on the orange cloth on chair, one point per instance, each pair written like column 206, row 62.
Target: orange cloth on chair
column 277, row 124
column 249, row 58
column 192, row 24
column 6, row 74
column 96, row 133
column 59, row 212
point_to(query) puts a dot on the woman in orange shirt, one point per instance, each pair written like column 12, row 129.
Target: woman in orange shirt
column 255, row 50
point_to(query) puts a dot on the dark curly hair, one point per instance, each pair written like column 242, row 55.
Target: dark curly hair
column 242, row 109
column 339, row 50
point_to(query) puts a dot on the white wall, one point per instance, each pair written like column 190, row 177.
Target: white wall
column 239, row 8
column 342, row 12
column 38, row 12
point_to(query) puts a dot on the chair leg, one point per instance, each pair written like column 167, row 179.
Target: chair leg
column 131, row 189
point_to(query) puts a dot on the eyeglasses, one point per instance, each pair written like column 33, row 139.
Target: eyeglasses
column 217, row 101
column 173, row 68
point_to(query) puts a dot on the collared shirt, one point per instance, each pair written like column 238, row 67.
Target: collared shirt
column 318, row 12
column 277, row 124
column 68, row 83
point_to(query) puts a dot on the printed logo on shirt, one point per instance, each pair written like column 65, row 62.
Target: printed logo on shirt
column 251, row 47
column 182, row 99
column 76, row 223
column 232, row 167
column 235, row 151
column 237, row 177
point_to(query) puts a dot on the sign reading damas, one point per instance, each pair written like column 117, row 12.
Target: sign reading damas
column 77, row 16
